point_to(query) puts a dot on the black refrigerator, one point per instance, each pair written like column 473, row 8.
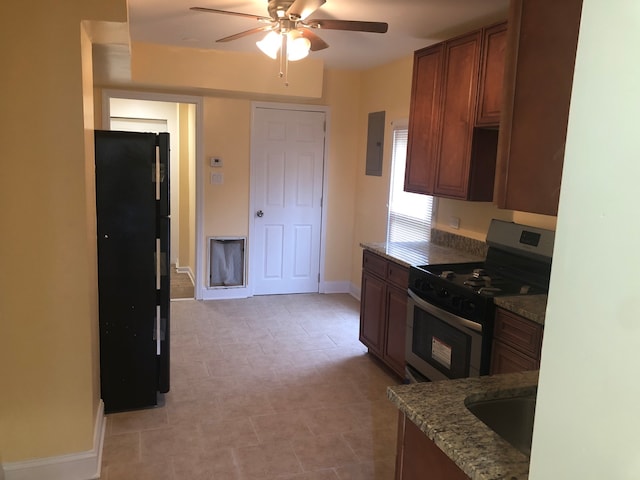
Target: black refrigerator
column 132, row 207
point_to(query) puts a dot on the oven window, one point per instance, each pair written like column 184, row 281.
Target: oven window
column 441, row 345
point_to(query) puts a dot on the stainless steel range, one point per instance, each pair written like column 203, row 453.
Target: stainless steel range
column 451, row 309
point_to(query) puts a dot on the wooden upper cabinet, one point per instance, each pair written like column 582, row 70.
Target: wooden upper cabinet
column 423, row 120
column 540, row 58
column 459, row 91
column 491, row 75
column 447, row 156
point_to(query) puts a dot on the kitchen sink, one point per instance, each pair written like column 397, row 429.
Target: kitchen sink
column 510, row 417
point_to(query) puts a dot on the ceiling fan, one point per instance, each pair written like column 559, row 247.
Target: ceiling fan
column 289, row 32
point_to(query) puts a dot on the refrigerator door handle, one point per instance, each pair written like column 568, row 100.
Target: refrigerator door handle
column 158, row 331
column 158, row 263
column 157, row 173
column 158, row 272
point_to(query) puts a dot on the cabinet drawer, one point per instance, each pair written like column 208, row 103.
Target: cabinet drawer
column 398, row 275
column 518, row 332
column 505, row 359
column 374, row 264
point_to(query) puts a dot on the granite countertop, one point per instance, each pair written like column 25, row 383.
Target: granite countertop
column 532, row 307
column 420, row 253
column 438, row 409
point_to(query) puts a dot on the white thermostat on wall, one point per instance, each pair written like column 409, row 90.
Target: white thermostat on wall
column 215, row 161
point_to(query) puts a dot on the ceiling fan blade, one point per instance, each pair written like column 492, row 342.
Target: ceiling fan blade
column 316, row 42
column 226, row 12
column 301, row 9
column 244, row 34
column 352, row 25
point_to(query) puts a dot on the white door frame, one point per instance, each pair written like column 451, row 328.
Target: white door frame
column 325, row 176
column 108, row 94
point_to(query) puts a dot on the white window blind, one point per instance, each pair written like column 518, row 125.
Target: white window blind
column 409, row 213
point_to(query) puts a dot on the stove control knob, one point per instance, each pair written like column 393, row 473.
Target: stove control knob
column 422, row 285
column 443, row 293
column 468, row 306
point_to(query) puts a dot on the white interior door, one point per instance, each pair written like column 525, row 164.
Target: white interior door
column 287, row 162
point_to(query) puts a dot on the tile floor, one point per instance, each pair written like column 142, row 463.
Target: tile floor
column 273, row 387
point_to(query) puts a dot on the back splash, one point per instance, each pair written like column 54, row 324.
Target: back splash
column 452, row 240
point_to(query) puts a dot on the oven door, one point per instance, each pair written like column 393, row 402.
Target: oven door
column 439, row 344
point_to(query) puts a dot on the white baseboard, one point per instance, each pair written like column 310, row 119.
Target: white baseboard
column 355, row 291
column 74, row 466
column 244, row 292
column 335, row 287
column 188, row 271
column 225, row 293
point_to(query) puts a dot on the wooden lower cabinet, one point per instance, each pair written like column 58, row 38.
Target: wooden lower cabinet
column 418, row 458
column 517, row 343
column 372, row 309
column 383, row 309
column 505, row 359
column 394, row 344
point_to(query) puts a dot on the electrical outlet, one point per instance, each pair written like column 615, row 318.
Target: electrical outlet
column 454, row 222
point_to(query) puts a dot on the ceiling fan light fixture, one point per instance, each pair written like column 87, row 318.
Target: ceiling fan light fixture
column 270, row 44
column 297, row 46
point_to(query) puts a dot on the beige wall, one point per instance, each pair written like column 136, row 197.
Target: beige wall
column 49, row 393
column 356, row 204
column 342, row 94
column 227, row 132
column 186, row 124
column 227, row 136
column 388, row 89
column 230, row 72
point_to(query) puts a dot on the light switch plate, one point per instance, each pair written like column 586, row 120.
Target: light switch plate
column 217, row 179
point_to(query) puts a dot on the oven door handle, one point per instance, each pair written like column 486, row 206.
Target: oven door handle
column 443, row 314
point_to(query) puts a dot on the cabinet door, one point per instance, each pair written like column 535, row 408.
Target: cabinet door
column 521, row 333
column 459, row 90
column 541, row 49
column 516, row 345
column 505, row 359
column 420, row 459
column 372, row 311
column 494, row 43
column 423, row 120
column 396, row 328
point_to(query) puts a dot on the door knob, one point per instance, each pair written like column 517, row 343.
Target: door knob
column 259, row 213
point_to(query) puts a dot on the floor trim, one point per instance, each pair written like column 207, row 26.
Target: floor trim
column 75, row 466
column 335, row 287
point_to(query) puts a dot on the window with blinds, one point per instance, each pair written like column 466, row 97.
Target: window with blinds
column 409, row 213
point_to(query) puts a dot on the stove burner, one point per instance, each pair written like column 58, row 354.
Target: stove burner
column 479, row 272
column 478, row 281
column 491, row 291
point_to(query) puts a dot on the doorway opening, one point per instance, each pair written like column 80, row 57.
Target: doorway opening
column 181, row 117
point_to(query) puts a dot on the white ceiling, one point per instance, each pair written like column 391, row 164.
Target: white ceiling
column 413, row 24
